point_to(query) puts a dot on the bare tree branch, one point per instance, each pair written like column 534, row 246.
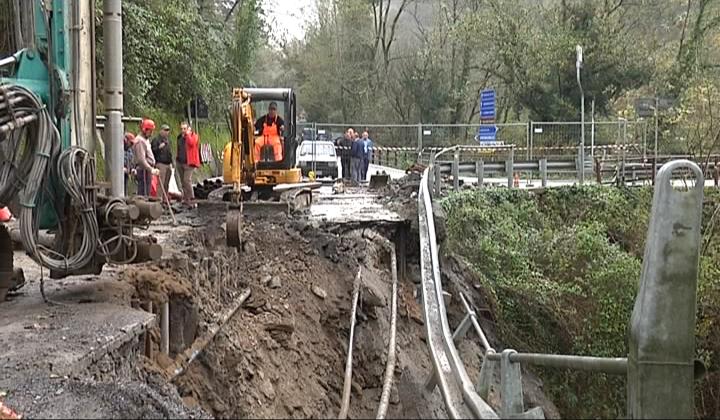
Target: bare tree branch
column 232, row 9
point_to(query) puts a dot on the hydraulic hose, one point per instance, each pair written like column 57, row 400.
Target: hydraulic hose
column 30, row 142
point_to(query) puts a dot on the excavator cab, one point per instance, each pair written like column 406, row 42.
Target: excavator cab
column 274, row 166
column 267, row 161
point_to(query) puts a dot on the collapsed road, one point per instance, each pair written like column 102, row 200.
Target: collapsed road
column 260, row 331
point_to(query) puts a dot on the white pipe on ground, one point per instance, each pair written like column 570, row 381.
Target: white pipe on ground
column 345, row 407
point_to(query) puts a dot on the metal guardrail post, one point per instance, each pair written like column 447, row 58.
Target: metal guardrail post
column 532, row 136
column 662, row 326
column 419, row 139
column 543, row 172
column 456, row 171
column 509, row 165
column 579, row 168
column 437, row 177
column 487, row 375
column 510, row 386
column 480, row 172
column 511, row 394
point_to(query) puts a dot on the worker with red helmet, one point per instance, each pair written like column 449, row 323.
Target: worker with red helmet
column 143, row 157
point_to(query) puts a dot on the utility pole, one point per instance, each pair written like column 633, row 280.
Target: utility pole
column 578, row 66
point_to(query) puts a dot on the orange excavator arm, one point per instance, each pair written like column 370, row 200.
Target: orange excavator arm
column 239, row 154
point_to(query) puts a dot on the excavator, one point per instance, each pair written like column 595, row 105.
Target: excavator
column 259, row 168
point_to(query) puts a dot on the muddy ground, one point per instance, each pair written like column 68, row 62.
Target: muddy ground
column 282, row 354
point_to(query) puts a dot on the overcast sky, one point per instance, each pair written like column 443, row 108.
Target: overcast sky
column 289, row 16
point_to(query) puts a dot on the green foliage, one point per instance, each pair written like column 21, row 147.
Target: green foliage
column 174, row 50
column 561, row 270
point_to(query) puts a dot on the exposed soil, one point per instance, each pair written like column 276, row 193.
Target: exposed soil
column 283, row 353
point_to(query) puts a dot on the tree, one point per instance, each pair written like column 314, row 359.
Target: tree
column 175, row 50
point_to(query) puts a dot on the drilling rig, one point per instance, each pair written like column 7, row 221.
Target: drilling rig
column 68, row 221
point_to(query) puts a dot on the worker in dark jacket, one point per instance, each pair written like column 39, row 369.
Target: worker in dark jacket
column 163, row 159
column 357, row 155
column 345, row 144
column 128, row 167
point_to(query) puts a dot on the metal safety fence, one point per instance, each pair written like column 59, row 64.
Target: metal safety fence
column 402, row 144
column 660, row 367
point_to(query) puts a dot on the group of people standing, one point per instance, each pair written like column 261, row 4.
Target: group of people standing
column 147, row 156
column 355, row 154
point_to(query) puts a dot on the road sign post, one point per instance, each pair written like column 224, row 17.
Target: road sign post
column 487, row 132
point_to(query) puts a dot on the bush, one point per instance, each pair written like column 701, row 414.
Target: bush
column 563, row 267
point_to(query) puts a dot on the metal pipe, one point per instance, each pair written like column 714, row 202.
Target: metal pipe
column 148, row 306
column 611, row 366
column 148, row 251
column 656, row 134
column 578, row 66
column 592, row 130
column 392, row 354
column 201, row 343
column 345, row 407
column 83, row 74
column 165, row 328
column 148, row 209
column 113, row 85
column 473, row 318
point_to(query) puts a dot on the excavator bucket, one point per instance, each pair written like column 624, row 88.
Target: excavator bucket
column 378, row 180
column 282, row 202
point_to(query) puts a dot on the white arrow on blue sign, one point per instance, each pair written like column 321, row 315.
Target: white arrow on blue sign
column 486, row 133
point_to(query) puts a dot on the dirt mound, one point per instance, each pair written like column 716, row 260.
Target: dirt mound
column 154, row 283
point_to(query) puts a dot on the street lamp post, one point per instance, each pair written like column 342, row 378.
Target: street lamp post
column 578, row 66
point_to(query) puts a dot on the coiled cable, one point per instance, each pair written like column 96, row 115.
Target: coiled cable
column 32, row 144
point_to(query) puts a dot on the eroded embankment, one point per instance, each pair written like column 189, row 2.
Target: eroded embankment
column 283, row 352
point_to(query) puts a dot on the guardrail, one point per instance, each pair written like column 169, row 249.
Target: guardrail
column 621, row 170
column 660, row 367
column 461, row 399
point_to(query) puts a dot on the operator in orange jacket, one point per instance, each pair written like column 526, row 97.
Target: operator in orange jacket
column 270, row 129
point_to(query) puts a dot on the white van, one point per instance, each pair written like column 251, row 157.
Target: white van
column 322, row 153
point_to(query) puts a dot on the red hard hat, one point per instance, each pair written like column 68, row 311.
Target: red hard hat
column 147, row 124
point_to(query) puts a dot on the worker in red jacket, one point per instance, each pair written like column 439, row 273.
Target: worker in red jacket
column 188, row 158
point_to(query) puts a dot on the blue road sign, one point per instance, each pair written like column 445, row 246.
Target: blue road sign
column 486, row 133
column 487, row 104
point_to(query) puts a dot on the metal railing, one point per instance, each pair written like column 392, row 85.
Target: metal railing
column 660, row 368
column 456, row 387
column 533, row 138
column 617, row 168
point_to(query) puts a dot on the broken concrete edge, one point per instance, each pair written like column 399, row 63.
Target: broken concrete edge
column 94, row 355
column 184, row 360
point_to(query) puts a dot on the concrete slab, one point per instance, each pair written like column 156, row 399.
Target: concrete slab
column 356, row 205
column 90, row 318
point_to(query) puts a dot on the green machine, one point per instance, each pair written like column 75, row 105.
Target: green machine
column 66, row 221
